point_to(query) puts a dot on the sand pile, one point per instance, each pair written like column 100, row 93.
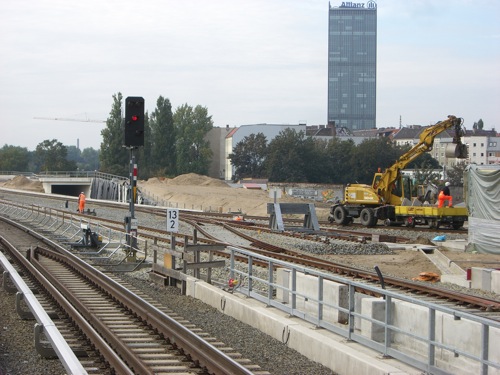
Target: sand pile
column 24, row 183
column 189, row 179
column 198, row 192
column 196, row 180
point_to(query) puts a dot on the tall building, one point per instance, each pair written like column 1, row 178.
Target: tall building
column 352, row 65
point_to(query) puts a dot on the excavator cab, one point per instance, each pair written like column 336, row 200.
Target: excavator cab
column 376, row 180
column 401, row 191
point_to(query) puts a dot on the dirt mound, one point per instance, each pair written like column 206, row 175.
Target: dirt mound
column 154, row 181
column 423, row 241
column 24, row 183
column 196, row 180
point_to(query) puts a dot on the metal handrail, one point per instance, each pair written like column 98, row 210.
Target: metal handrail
column 267, row 290
column 66, row 355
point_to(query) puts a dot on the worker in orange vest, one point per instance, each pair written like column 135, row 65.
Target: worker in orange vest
column 81, row 202
column 444, row 195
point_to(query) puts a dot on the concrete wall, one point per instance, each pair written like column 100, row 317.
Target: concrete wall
column 334, row 294
column 486, row 279
column 319, row 345
column 332, row 350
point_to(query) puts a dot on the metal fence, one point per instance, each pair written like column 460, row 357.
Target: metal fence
column 428, row 336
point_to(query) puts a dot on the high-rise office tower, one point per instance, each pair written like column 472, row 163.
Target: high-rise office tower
column 352, row 65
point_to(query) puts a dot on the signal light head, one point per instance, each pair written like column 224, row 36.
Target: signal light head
column 134, row 121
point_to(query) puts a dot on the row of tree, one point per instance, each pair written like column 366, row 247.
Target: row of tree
column 49, row 155
column 293, row 157
column 174, row 142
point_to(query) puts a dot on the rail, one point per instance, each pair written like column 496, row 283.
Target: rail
column 428, row 336
column 64, row 352
column 114, row 251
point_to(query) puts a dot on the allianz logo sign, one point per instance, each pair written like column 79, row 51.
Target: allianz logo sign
column 369, row 5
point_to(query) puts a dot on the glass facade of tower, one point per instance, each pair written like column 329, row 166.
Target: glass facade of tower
column 352, row 65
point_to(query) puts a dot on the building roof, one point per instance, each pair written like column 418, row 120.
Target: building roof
column 480, row 133
column 230, row 134
column 408, row 133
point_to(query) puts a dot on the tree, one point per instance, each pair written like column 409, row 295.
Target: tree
column 74, row 154
column 193, row 151
column 86, row 160
column 480, row 124
column 339, row 164
column 14, row 158
column 315, row 154
column 90, row 159
column 371, row 155
column 114, row 158
column 423, row 161
column 143, row 154
column 286, row 157
column 456, row 173
column 249, row 156
column 163, row 156
column 51, row 156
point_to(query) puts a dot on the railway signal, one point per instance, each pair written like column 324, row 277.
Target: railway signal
column 134, row 121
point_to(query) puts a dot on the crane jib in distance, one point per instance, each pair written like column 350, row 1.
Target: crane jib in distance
column 68, row 119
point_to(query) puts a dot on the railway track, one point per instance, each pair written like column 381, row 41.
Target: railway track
column 129, row 333
column 480, row 305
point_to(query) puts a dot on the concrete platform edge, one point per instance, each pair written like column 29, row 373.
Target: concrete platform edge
column 319, row 345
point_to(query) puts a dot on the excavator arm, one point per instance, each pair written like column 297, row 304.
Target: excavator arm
column 426, row 141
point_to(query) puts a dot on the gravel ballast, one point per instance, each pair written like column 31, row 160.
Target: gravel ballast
column 272, row 355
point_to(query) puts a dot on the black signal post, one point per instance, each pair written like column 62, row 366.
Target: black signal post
column 134, row 138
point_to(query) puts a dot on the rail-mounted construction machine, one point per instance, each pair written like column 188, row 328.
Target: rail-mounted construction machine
column 389, row 197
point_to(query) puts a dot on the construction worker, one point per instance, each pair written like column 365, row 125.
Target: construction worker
column 444, row 195
column 81, row 202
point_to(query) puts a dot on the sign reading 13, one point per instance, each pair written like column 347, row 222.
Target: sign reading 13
column 173, row 220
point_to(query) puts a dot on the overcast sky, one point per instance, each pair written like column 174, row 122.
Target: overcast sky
column 257, row 61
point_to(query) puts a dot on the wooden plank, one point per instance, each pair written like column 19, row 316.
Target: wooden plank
column 175, row 253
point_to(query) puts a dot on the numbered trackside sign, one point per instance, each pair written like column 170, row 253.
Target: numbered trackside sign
column 173, row 220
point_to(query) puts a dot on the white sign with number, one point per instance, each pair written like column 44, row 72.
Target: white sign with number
column 173, row 220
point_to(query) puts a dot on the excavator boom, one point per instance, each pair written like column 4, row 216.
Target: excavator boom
column 388, row 197
column 426, row 141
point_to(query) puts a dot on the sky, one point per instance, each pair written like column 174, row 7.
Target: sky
column 247, row 62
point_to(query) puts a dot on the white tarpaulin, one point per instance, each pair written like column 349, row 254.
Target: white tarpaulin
column 482, row 198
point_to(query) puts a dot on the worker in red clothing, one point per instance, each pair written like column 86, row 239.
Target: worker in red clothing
column 81, row 202
column 444, row 195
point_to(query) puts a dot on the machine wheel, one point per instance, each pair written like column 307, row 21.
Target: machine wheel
column 367, row 217
column 340, row 215
column 410, row 222
column 431, row 224
column 457, row 225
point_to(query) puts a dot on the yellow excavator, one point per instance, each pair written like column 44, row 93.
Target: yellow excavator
column 389, row 197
